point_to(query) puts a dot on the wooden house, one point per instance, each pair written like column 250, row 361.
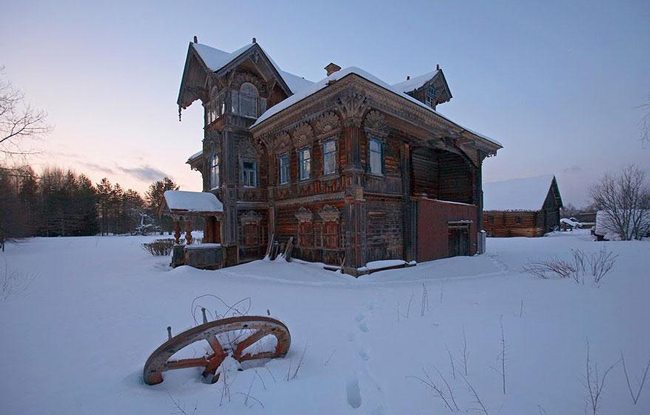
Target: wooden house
column 521, row 207
column 351, row 169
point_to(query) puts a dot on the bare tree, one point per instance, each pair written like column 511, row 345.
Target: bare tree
column 18, row 120
column 625, row 199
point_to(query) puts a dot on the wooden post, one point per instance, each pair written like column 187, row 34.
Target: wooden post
column 188, row 231
column 177, row 231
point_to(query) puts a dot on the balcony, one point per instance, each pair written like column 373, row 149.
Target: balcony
column 235, row 103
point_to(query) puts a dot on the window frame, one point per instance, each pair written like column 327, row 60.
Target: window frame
column 249, row 99
column 214, row 171
column 301, row 162
column 380, row 153
column 333, row 153
column 244, row 173
column 285, row 168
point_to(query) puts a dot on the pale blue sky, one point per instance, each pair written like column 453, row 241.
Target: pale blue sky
column 558, row 83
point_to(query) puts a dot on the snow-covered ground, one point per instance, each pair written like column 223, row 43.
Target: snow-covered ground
column 82, row 315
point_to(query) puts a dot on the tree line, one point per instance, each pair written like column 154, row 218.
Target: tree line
column 63, row 203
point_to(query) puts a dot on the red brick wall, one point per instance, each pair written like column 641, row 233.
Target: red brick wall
column 433, row 217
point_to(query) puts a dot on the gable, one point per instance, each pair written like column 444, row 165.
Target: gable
column 523, row 194
column 202, row 60
column 430, row 88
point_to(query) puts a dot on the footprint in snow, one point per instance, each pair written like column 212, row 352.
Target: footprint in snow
column 363, row 355
column 363, row 327
column 353, row 393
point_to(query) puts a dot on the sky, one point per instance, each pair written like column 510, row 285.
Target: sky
column 558, row 83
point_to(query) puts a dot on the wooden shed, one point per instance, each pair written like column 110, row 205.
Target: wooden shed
column 521, row 207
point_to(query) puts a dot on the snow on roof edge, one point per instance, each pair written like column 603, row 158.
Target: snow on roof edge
column 186, row 201
column 323, row 83
column 416, row 82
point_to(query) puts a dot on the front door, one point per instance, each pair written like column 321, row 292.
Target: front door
column 458, row 240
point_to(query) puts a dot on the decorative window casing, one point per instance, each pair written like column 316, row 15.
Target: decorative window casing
column 304, row 163
column 283, row 169
column 377, row 131
column 249, row 173
column 250, row 222
column 214, row 171
column 375, row 156
column 305, row 227
column 331, row 225
column 329, row 157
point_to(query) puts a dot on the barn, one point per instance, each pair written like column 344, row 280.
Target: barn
column 527, row 206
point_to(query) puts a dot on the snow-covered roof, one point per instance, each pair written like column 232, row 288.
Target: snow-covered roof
column 184, row 201
column 313, row 88
column 216, row 59
column 195, row 155
column 525, row 194
column 415, row 83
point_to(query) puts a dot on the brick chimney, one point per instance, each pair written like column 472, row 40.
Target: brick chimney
column 331, row 68
column 196, row 39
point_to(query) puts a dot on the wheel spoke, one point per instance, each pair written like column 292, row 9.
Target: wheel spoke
column 252, row 339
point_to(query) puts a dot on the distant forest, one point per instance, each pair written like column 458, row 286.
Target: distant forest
column 64, row 203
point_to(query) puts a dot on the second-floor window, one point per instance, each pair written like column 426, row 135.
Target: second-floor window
column 249, row 173
column 214, row 171
column 284, row 169
column 248, row 100
column 304, row 162
column 329, row 157
column 376, row 156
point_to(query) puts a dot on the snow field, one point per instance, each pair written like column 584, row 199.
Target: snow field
column 74, row 340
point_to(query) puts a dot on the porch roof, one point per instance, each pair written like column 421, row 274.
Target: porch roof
column 178, row 201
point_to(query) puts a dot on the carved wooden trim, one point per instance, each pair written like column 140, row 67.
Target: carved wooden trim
column 304, row 215
column 329, row 214
column 326, row 124
column 352, row 106
column 250, row 217
column 281, row 143
column 375, row 124
column 303, row 135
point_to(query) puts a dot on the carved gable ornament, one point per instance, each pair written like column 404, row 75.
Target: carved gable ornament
column 327, row 123
column 352, row 106
column 281, row 142
column 213, row 140
column 303, row 135
column 250, row 217
column 304, row 215
column 246, row 148
column 329, row 214
column 375, row 124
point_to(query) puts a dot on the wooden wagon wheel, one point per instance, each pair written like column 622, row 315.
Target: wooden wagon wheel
column 260, row 327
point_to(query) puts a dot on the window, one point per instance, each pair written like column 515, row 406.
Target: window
column 249, row 174
column 214, row 171
column 304, row 163
column 251, row 234
column 329, row 157
column 284, row 169
column 518, row 220
column 248, row 100
column 376, row 156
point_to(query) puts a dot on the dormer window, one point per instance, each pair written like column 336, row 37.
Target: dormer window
column 248, row 100
column 430, row 96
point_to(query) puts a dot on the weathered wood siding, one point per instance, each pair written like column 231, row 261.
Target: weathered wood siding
column 384, row 232
column 506, row 224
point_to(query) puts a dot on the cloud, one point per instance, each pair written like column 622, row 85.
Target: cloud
column 572, row 169
column 97, row 167
column 144, row 173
